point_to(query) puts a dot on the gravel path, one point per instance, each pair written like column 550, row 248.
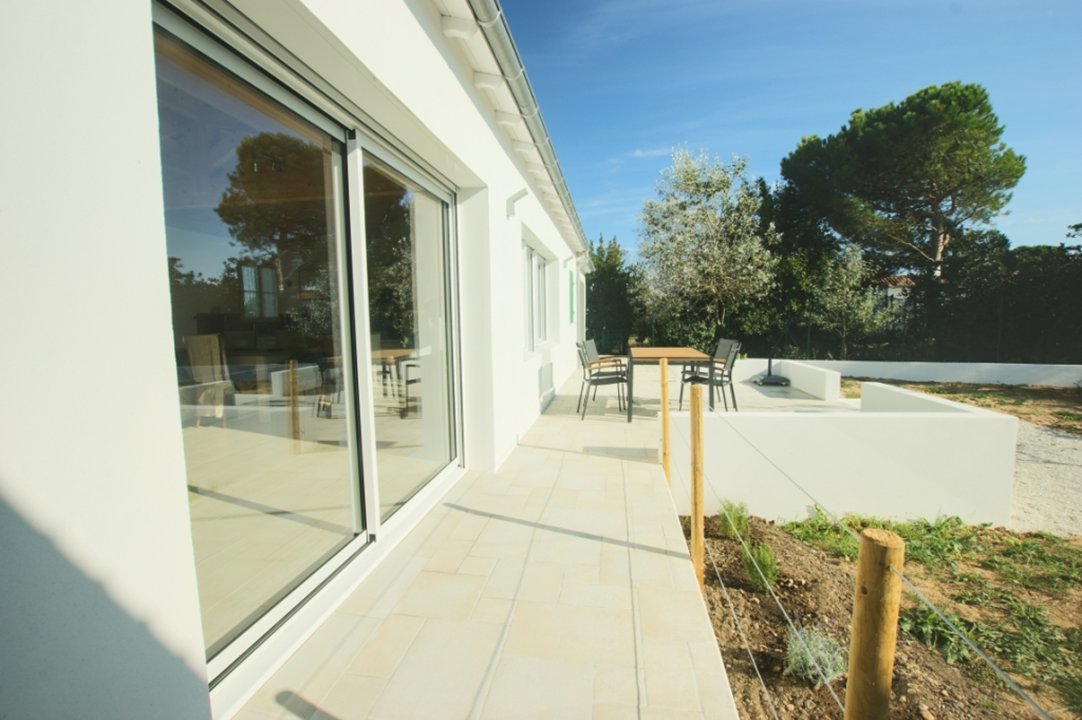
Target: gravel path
column 1047, row 481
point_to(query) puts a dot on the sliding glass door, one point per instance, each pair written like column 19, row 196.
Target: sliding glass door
column 254, row 215
column 410, row 322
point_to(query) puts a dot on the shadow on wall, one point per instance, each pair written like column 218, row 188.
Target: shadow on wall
column 69, row 651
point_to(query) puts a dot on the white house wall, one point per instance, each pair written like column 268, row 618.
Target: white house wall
column 99, row 615
column 455, row 131
column 98, row 570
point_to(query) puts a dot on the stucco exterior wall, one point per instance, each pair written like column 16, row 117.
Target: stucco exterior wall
column 98, row 562
column 99, row 615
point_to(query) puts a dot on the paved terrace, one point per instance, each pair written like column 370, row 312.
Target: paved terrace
column 558, row 587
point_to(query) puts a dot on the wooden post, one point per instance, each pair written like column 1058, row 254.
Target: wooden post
column 294, row 407
column 663, row 366
column 875, row 625
column 698, row 542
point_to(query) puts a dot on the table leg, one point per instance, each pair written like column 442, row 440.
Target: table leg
column 711, row 385
column 630, row 385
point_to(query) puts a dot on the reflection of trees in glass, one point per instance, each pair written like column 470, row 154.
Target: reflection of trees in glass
column 276, row 209
column 388, row 222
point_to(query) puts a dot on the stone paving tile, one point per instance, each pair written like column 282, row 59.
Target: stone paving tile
column 557, row 587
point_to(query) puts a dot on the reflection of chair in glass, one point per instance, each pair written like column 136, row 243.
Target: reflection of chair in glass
column 330, row 391
column 404, row 368
column 595, row 375
column 717, row 372
column 210, row 375
column 386, row 365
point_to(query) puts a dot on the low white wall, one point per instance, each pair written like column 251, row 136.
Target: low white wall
column 877, row 397
column 815, row 381
column 999, row 373
column 901, row 465
column 818, row 382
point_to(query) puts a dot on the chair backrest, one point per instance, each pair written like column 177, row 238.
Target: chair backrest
column 591, row 350
column 730, row 358
column 584, row 360
column 724, row 346
column 206, row 357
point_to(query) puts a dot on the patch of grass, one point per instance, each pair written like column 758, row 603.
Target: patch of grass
column 942, row 542
column 1038, row 562
column 760, row 566
column 924, row 625
column 996, row 578
column 813, row 655
column 733, row 520
column 821, row 532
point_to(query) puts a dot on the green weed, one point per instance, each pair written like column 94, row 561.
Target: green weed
column 733, row 520
column 760, row 566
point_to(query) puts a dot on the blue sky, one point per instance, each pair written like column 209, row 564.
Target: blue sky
column 623, row 82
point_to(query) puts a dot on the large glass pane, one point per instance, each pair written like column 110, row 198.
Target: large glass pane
column 253, row 215
column 408, row 308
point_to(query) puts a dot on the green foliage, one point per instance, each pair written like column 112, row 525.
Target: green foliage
column 819, row 531
column 907, row 178
column 733, row 520
column 843, row 303
column 705, row 252
column 924, row 625
column 1013, row 627
column 941, row 543
column 760, row 566
column 813, row 655
column 612, row 305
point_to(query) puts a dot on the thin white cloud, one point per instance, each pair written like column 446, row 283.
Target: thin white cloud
column 652, row 153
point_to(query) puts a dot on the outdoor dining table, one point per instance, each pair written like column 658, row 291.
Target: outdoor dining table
column 652, row 356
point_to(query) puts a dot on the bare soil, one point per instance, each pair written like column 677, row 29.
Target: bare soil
column 816, row 589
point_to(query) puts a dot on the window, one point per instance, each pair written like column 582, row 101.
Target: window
column 254, row 216
column 409, row 316
column 260, row 288
column 536, row 270
column 571, row 297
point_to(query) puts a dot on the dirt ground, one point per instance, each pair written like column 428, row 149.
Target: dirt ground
column 817, row 590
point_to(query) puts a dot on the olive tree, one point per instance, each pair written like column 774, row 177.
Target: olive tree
column 704, row 251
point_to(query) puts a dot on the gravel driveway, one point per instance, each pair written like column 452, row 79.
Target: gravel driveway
column 1047, row 481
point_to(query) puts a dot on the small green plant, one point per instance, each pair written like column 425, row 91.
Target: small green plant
column 760, row 566
column 927, row 627
column 733, row 520
column 813, row 655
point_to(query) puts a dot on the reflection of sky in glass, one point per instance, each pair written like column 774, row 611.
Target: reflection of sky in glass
column 201, row 127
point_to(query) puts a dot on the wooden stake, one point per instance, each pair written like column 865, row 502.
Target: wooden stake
column 294, row 407
column 663, row 366
column 698, row 541
column 875, row 625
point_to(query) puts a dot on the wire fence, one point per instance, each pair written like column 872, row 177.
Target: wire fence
column 835, row 520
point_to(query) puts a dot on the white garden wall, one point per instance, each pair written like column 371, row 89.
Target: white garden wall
column 904, row 456
column 999, row 373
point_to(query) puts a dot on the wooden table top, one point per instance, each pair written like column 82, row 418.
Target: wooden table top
column 653, row 354
column 391, row 354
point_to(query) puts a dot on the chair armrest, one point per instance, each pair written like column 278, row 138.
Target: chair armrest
column 609, row 361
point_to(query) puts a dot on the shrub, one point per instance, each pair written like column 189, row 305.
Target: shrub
column 813, row 655
column 733, row 519
column 766, row 574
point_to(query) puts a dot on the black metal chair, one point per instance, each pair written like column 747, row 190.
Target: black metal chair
column 717, row 372
column 596, row 358
column 595, row 375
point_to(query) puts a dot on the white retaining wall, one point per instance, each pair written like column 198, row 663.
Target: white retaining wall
column 999, row 373
column 818, row 382
column 905, row 456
